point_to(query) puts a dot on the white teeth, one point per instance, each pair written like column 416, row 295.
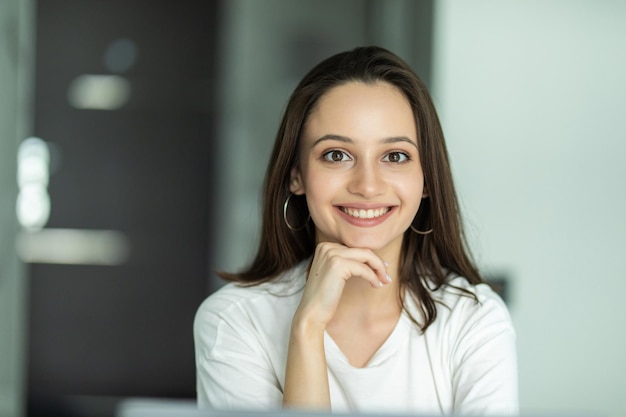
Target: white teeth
column 365, row 214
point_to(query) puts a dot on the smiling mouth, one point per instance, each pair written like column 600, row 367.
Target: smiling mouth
column 365, row 214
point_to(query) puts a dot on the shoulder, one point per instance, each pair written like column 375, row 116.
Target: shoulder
column 460, row 298
column 463, row 308
column 242, row 308
column 234, row 297
column 473, row 322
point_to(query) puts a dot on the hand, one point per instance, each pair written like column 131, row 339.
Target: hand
column 333, row 264
column 306, row 377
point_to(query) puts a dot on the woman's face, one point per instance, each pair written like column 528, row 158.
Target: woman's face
column 359, row 166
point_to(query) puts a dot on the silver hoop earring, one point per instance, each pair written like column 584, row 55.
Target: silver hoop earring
column 419, row 232
column 285, row 206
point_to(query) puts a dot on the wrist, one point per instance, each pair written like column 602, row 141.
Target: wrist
column 303, row 326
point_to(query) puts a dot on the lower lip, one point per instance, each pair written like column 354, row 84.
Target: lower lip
column 364, row 222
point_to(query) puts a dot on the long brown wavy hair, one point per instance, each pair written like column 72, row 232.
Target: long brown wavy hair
column 427, row 261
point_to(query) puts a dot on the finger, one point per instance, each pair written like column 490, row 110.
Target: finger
column 347, row 263
column 365, row 256
column 364, row 271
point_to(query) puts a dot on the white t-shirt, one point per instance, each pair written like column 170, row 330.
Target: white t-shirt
column 465, row 362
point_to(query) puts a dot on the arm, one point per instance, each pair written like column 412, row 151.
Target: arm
column 306, row 377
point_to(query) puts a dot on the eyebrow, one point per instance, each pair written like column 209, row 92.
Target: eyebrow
column 345, row 139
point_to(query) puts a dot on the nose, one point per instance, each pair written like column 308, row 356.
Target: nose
column 366, row 180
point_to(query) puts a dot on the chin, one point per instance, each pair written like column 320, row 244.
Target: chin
column 366, row 243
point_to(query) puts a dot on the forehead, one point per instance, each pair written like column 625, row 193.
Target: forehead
column 355, row 91
column 356, row 108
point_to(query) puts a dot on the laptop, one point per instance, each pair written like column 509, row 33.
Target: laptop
column 188, row 408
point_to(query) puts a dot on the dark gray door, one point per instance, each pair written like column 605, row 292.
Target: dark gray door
column 143, row 168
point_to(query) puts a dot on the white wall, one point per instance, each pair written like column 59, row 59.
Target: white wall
column 15, row 52
column 532, row 96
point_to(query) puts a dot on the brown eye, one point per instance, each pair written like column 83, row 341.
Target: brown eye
column 336, row 156
column 396, row 157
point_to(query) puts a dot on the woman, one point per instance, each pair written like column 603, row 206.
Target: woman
column 362, row 295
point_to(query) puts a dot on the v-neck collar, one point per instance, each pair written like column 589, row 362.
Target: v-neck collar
column 383, row 354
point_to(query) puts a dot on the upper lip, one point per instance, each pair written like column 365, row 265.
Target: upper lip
column 364, row 206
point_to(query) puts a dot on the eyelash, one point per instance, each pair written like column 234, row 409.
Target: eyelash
column 404, row 155
column 327, row 156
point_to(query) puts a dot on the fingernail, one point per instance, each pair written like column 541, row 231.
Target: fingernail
column 386, row 263
column 380, row 284
column 388, row 277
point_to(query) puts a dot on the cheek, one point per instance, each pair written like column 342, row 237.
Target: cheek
column 320, row 182
column 411, row 182
column 321, row 191
column 411, row 191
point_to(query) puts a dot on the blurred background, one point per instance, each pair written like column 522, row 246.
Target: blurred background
column 134, row 136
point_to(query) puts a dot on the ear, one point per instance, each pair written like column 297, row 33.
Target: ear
column 425, row 191
column 296, row 185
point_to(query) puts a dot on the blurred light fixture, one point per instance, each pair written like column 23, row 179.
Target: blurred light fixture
column 99, row 92
column 33, row 172
column 33, row 207
column 73, row 247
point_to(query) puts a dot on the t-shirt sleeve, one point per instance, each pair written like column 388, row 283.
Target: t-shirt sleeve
column 484, row 357
column 232, row 371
